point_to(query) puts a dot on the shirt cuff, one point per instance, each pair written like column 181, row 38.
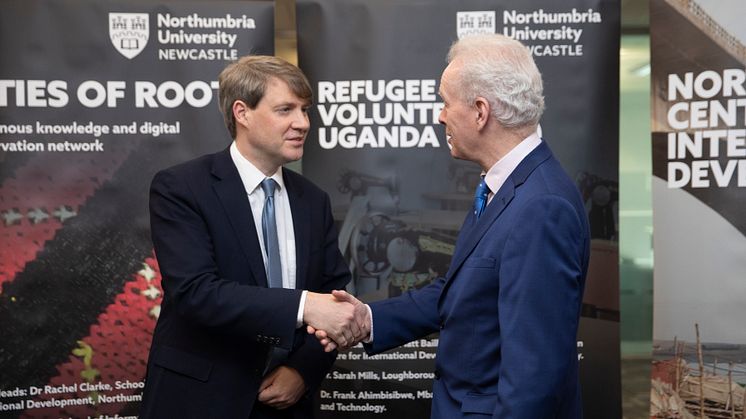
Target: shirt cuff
column 301, row 306
column 370, row 316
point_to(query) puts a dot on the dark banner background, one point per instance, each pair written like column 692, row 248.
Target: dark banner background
column 399, row 208
column 79, row 286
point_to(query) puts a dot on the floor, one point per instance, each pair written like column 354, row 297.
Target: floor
column 635, row 388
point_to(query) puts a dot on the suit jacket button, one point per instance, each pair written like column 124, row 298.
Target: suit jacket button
column 437, row 375
column 442, row 326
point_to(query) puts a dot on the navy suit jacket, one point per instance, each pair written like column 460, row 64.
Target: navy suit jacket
column 218, row 318
column 509, row 306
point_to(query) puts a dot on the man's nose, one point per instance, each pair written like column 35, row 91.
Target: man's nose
column 301, row 121
column 442, row 116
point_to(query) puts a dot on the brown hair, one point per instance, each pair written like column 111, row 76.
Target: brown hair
column 246, row 80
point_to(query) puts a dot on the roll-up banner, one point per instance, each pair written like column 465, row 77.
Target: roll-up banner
column 95, row 97
column 399, row 198
column 698, row 56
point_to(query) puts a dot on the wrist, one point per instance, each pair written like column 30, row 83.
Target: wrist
column 308, row 307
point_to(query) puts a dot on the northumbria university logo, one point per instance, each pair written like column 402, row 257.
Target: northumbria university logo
column 470, row 23
column 129, row 32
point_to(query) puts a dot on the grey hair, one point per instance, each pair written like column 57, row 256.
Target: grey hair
column 501, row 70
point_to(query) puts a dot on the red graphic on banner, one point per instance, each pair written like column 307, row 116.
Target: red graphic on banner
column 105, row 371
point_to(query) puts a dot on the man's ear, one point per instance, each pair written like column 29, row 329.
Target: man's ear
column 483, row 112
column 240, row 112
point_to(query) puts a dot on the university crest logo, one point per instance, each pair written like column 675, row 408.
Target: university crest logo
column 470, row 23
column 129, row 32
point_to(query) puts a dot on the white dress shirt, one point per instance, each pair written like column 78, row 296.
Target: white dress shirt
column 501, row 170
column 251, row 177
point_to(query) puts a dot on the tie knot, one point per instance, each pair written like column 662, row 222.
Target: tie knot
column 480, row 197
column 268, row 186
column 482, row 189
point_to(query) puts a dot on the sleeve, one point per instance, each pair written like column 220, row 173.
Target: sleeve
column 183, row 241
column 309, row 358
column 541, row 286
column 405, row 318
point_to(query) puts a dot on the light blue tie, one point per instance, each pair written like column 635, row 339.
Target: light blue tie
column 276, row 355
column 269, row 233
column 480, row 198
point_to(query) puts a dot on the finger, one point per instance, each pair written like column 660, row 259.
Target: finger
column 341, row 340
column 364, row 333
column 273, row 397
column 310, row 330
column 338, row 337
column 330, row 347
column 351, row 333
column 266, row 382
column 355, row 330
column 348, row 340
column 265, row 396
column 320, row 334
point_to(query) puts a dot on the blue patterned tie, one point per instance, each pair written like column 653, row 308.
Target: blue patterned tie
column 480, row 197
column 269, row 232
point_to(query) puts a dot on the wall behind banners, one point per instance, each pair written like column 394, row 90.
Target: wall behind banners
column 95, row 97
column 699, row 192
column 400, row 198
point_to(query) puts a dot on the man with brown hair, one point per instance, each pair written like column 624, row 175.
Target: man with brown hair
column 248, row 253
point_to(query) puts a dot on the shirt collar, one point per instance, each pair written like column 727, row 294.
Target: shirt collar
column 500, row 171
column 251, row 177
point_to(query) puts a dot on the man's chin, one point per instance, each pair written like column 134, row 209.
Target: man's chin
column 291, row 157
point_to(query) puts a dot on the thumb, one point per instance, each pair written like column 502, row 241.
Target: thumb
column 342, row 295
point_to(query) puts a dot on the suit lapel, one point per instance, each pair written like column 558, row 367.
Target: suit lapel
column 476, row 230
column 301, row 226
column 232, row 195
column 478, row 227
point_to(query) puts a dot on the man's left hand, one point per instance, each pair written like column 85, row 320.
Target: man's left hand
column 281, row 388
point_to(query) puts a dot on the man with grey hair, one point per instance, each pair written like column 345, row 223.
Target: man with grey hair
column 248, row 254
column 508, row 308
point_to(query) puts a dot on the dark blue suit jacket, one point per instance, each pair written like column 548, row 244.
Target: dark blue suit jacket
column 509, row 306
column 218, row 318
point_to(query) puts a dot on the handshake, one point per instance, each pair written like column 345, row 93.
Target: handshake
column 338, row 320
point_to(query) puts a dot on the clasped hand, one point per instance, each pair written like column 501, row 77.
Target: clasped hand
column 338, row 320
